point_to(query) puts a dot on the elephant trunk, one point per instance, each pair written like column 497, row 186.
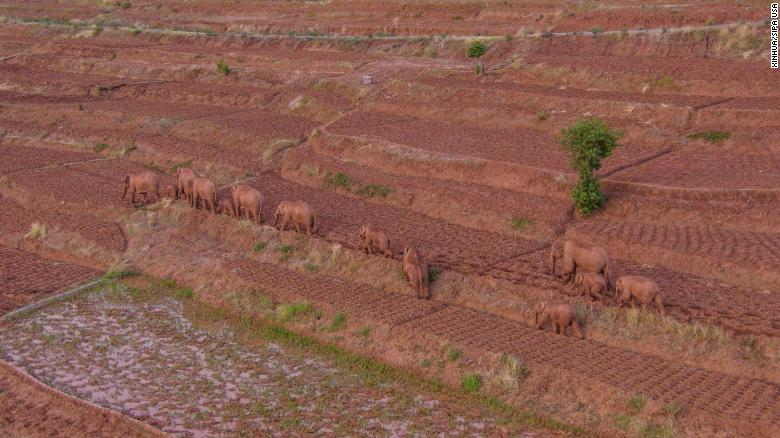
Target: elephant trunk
column 127, row 184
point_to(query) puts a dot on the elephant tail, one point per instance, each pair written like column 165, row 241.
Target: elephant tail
column 315, row 224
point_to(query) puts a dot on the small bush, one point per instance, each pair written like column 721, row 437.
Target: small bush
column 312, row 267
column 375, row 190
column 542, row 116
column 476, row 49
column 710, row 136
column 674, row 409
column 285, row 252
column 338, row 180
column 710, row 21
column 519, row 223
column 119, row 274
column 426, row 363
column 287, row 312
column 223, row 67
column 454, row 355
column 588, row 142
column 97, row 30
column 100, row 147
column 364, row 332
column 596, row 30
column 471, row 383
column 339, row 322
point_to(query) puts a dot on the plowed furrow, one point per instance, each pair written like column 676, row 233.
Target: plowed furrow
column 709, row 391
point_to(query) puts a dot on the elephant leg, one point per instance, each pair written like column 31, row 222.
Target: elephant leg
column 542, row 321
column 285, row 221
column 659, row 303
column 575, row 328
column 132, row 195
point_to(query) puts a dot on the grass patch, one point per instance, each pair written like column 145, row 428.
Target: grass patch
column 433, row 274
column 364, row 332
column 471, row 383
column 311, row 267
column 542, row 116
column 288, row 312
column 126, row 149
column 335, row 180
column 710, row 136
column 223, row 68
column 454, row 355
column 100, row 147
column 277, row 146
column 285, row 251
column 637, row 403
column 596, row 30
column 136, row 31
column 259, row 246
column 622, row 422
column 37, row 231
column 184, row 293
column 519, row 223
column 339, row 322
column 97, row 30
column 120, row 274
column 375, row 191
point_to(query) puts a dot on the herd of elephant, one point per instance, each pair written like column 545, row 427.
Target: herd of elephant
column 587, row 267
column 247, row 201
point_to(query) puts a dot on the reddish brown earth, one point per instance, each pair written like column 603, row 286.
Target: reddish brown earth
column 462, row 155
column 30, row 409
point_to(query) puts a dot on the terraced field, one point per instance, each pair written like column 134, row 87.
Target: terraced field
column 372, row 112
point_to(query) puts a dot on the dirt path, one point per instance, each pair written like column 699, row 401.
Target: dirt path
column 143, row 357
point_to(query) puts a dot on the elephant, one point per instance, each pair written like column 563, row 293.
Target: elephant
column 641, row 289
column 417, row 271
column 562, row 316
column 170, row 191
column 183, row 177
column 226, row 207
column 203, row 189
column 300, row 214
column 144, row 183
column 581, row 256
column 250, row 200
column 590, row 285
column 375, row 239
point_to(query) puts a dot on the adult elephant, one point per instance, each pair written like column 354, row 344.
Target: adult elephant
column 145, row 183
column 250, row 200
column 583, row 256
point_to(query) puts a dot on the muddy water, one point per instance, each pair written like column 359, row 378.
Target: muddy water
column 146, row 359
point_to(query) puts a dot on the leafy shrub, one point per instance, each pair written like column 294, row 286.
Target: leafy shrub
column 97, row 30
column 184, row 293
column 710, row 136
column 471, row 383
column 223, row 67
column 637, row 403
column 596, row 30
column 542, row 116
column 433, row 274
column 37, row 231
column 476, row 49
column 454, row 355
column 375, row 190
column 100, row 147
column 338, row 180
column 587, row 143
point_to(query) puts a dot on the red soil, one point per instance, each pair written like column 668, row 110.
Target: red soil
column 26, row 277
column 31, row 409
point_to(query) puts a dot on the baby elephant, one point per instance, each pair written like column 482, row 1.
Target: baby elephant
column 299, row 214
column 203, row 189
column 248, row 199
column 590, row 284
column 375, row 239
column 226, row 207
column 641, row 289
column 417, row 271
column 145, row 183
column 561, row 315
column 170, row 191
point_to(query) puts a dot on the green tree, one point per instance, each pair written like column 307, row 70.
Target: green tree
column 588, row 142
